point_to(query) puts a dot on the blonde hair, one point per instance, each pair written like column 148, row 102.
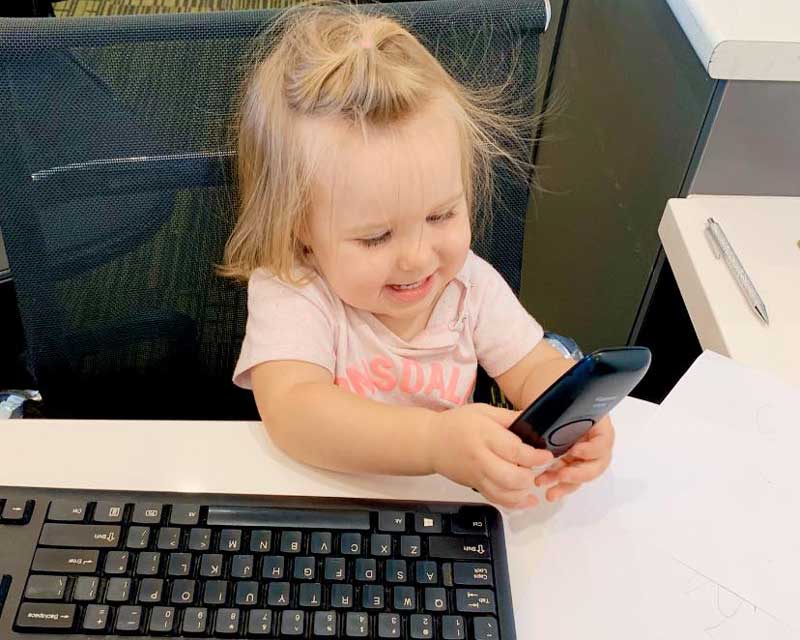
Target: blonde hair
column 335, row 60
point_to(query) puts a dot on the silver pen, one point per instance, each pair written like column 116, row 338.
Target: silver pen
column 723, row 249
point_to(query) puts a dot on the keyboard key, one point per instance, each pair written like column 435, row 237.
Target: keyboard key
column 405, row 599
column 194, row 620
column 292, row 622
column 469, row 521
column 66, row 511
column 65, row 560
column 321, row 542
column 183, row 592
column 227, row 622
column 199, row 539
column 246, row 594
column 44, row 616
column 485, row 628
column 324, row 624
column 272, row 567
column 453, row 628
column 147, row 513
column 396, row 571
column 435, row 599
column 420, row 626
column 211, row 565
column 410, row 546
column 215, row 593
column 335, row 569
column 259, row 623
column 230, row 540
column 242, row 567
column 372, row 596
column 116, row 563
column 162, row 620
column 83, row 536
column 392, row 521
column 129, row 619
column 118, row 590
column 185, row 515
column 180, row 565
column 150, row 591
column 366, row 569
column 310, row 594
column 356, row 625
column 148, row 563
column 109, row 512
column 278, row 594
column 380, row 544
column 475, row 600
column 96, row 617
column 86, row 589
column 460, row 548
column 260, row 541
column 305, row 568
column 428, row 522
column 426, row 572
column 169, row 539
column 388, row 625
column 473, row 573
column 291, row 542
column 342, row 596
column 351, row 544
column 46, row 587
column 267, row 517
column 138, row 538
column 16, row 511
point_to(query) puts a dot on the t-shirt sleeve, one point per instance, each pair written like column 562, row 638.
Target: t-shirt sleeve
column 504, row 331
column 285, row 322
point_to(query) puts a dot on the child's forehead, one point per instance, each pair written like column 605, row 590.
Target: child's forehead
column 411, row 166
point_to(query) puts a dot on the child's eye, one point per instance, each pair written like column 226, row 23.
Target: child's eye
column 374, row 242
column 441, row 217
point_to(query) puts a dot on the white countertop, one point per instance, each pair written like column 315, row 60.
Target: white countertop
column 743, row 39
column 764, row 232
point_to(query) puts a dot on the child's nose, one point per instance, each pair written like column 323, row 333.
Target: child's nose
column 414, row 255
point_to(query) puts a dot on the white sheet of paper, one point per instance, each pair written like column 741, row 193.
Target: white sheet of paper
column 719, row 467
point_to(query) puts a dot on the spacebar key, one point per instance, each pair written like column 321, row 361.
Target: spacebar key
column 294, row 518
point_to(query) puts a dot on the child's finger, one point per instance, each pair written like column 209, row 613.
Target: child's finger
column 551, row 475
column 511, row 448
column 509, row 476
column 582, row 471
column 510, row 499
column 560, row 490
column 589, row 450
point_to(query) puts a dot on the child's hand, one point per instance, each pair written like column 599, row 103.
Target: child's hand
column 585, row 461
column 473, row 446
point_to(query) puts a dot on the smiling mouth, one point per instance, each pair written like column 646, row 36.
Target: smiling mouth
column 411, row 286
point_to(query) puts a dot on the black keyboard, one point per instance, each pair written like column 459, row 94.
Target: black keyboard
column 121, row 564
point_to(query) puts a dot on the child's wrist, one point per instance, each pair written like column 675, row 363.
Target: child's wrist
column 429, row 433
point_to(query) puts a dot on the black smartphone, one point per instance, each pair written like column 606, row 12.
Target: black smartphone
column 582, row 396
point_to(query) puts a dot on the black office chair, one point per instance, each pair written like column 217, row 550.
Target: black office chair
column 117, row 198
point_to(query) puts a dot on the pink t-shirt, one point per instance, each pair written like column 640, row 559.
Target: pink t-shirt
column 477, row 319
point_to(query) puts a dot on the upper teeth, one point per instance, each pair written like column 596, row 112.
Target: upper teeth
column 408, row 286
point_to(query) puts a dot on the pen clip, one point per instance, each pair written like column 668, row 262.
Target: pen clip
column 715, row 248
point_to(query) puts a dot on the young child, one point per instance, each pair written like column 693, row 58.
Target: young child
column 361, row 162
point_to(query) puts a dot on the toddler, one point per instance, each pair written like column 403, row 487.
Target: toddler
column 361, row 163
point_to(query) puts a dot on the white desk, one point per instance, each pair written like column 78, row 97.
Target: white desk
column 765, row 233
column 548, row 581
column 743, row 39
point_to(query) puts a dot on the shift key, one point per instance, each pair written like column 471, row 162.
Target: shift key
column 65, row 560
column 81, row 536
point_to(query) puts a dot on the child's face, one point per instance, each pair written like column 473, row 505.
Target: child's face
column 390, row 212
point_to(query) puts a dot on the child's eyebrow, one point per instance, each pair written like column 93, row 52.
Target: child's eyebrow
column 368, row 228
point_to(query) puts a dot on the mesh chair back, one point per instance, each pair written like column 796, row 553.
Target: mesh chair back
column 116, row 197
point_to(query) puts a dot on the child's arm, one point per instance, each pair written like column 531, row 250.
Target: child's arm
column 529, row 378
column 320, row 424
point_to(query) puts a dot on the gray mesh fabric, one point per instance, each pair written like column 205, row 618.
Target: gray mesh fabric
column 115, row 197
